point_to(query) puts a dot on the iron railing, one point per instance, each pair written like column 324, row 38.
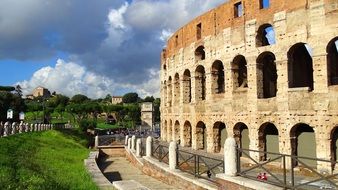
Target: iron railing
column 161, row 153
column 292, row 172
column 110, row 140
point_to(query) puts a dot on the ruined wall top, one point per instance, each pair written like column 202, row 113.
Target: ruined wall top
column 224, row 16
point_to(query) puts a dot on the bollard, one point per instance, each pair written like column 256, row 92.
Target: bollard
column 126, row 140
column 138, row 148
column 133, row 143
column 230, row 157
column 172, row 155
column 148, row 146
column 96, row 141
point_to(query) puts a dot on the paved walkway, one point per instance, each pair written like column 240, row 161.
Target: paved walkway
column 119, row 168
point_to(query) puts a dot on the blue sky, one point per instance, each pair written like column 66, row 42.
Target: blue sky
column 89, row 47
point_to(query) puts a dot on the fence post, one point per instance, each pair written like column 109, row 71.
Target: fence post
column 96, row 141
column 148, row 146
column 172, row 155
column 138, row 148
column 126, row 140
column 230, row 157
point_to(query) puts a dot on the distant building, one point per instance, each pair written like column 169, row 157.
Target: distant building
column 116, row 99
column 147, row 111
column 39, row 92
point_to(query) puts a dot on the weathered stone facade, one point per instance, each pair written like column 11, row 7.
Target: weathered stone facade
column 221, row 75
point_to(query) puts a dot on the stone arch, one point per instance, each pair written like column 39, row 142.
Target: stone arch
column 177, row 137
column 199, row 53
column 219, row 136
column 266, row 75
column 217, row 73
column 200, row 88
column 268, row 140
column 170, row 90
column 201, row 135
column 241, row 135
column 186, row 86
column 176, row 89
column 187, row 130
column 170, row 131
column 239, row 71
column 333, row 146
column 164, row 67
column 332, row 61
column 265, row 35
column 303, row 143
column 300, row 69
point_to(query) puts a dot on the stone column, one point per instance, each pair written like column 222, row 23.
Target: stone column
column 230, row 157
column 138, row 148
column 96, row 141
column 13, row 128
column 129, row 143
column 172, row 155
column 148, row 146
column 126, row 140
column 6, row 129
column 133, row 143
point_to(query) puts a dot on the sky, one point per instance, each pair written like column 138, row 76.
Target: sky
column 89, row 47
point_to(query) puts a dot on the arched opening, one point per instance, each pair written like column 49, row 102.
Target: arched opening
column 334, row 145
column 219, row 136
column 177, row 89
column 265, row 35
column 217, row 71
column 200, row 135
column 164, row 67
column 268, row 141
column 170, row 91
column 200, row 83
column 165, row 93
column 186, row 86
column 187, row 134
column 199, row 53
column 332, row 61
column 241, row 135
column 303, row 143
column 266, row 75
column 300, row 70
column 239, row 70
column 170, row 131
column 177, row 136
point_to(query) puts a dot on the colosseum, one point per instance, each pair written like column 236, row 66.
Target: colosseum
column 264, row 72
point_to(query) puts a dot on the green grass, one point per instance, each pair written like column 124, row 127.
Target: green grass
column 44, row 160
column 107, row 126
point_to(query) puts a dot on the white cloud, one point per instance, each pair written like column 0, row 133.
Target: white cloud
column 115, row 16
column 165, row 34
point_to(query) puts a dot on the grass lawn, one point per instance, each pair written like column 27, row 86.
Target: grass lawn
column 107, row 126
column 44, row 160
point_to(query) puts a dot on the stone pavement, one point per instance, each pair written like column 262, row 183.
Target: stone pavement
column 119, row 168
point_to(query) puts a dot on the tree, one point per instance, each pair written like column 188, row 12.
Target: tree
column 131, row 97
column 7, row 88
column 149, row 99
column 18, row 90
column 157, row 114
column 79, row 98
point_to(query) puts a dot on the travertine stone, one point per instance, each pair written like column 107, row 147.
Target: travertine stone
column 133, row 141
column 230, row 164
column 126, row 140
column 172, row 155
column 148, row 146
column 138, row 147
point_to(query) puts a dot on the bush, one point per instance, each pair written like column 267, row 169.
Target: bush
column 87, row 124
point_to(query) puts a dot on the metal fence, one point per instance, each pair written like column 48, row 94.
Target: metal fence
column 161, row 153
column 111, row 140
column 286, row 171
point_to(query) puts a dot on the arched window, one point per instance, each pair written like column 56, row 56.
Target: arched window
column 170, row 92
column 268, row 141
column 266, row 75
column 332, row 61
column 239, row 70
column 219, row 136
column 241, row 135
column 186, row 86
column 300, row 71
column 200, row 83
column 165, row 93
column 177, row 89
column 187, row 129
column 265, row 35
column 217, row 72
column 199, row 53
column 201, row 135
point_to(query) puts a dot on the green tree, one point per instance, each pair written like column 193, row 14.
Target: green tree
column 7, row 88
column 131, row 97
column 157, row 114
column 149, row 99
column 79, row 98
